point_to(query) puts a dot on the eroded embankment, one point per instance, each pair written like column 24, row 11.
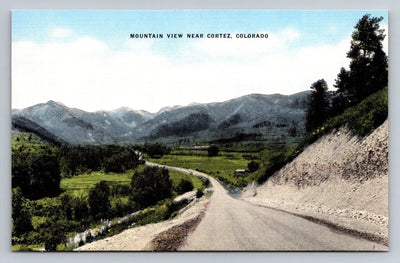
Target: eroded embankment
column 141, row 238
column 339, row 179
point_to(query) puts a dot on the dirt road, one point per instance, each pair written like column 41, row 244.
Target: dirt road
column 232, row 224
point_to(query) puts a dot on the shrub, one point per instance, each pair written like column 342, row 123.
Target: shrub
column 156, row 150
column 213, row 150
column 253, row 166
column 66, row 206
column 150, row 186
column 20, row 214
column 205, row 181
column 119, row 207
column 80, row 208
column 99, row 202
column 184, row 186
column 199, row 193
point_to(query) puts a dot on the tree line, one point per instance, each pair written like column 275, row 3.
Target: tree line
column 367, row 74
column 38, row 170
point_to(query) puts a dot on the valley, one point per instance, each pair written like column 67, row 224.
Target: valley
column 189, row 185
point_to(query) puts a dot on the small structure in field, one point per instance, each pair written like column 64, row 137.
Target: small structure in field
column 240, row 172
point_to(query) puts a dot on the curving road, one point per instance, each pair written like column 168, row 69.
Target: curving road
column 233, row 224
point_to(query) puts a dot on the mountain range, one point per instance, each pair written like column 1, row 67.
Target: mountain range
column 254, row 116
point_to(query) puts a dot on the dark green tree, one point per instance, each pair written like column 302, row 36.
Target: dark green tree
column 56, row 234
column 253, row 166
column 66, row 206
column 213, row 150
column 45, row 178
column 368, row 62
column 80, row 208
column 150, row 186
column 156, row 150
column 99, row 202
column 184, row 186
column 318, row 105
column 20, row 172
column 199, row 193
column 36, row 172
column 20, row 213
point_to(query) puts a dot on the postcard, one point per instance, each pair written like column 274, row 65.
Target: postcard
column 199, row 130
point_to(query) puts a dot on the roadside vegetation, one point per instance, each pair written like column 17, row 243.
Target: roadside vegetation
column 54, row 197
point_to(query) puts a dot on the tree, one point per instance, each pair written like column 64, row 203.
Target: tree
column 253, row 166
column 184, row 186
column 80, row 208
column 213, row 150
column 150, row 186
column 368, row 62
column 99, row 202
column 36, row 171
column 156, row 150
column 20, row 214
column 56, row 234
column 66, row 206
column 318, row 105
column 45, row 178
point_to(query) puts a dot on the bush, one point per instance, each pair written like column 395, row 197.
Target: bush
column 156, row 150
column 99, row 202
column 120, row 207
column 184, row 186
column 80, row 207
column 253, row 166
column 275, row 162
column 213, row 150
column 205, row 181
column 20, row 214
column 199, row 193
column 150, row 186
column 66, row 206
column 55, row 233
column 365, row 117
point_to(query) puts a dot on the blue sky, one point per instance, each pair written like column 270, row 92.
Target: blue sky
column 206, row 63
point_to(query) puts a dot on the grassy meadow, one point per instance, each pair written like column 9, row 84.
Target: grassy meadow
column 80, row 185
column 221, row 167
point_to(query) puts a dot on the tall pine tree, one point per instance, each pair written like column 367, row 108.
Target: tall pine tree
column 318, row 105
column 368, row 63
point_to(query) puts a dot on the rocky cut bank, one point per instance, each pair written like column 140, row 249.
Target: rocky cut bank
column 340, row 180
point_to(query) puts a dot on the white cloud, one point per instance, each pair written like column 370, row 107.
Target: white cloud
column 60, row 32
column 86, row 74
column 244, row 47
column 385, row 42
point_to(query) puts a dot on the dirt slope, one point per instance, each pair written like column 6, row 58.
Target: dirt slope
column 140, row 238
column 339, row 179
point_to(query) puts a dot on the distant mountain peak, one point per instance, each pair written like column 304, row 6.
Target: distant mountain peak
column 52, row 102
column 270, row 115
column 123, row 109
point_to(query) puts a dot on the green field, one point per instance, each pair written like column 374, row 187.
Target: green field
column 80, row 185
column 177, row 177
column 221, row 167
